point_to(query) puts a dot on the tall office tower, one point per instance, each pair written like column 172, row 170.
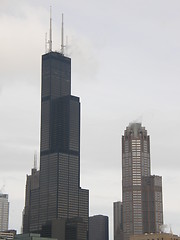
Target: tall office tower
column 118, row 214
column 4, row 212
column 140, row 189
column 57, row 193
column 98, row 227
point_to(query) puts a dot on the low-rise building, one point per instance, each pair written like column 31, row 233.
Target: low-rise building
column 155, row 236
column 7, row 235
column 99, row 227
column 31, row 236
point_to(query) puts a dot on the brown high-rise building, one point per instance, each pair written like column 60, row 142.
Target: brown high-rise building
column 142, row 193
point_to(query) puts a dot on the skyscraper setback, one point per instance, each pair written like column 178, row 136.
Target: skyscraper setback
column 54, row 191
column 142, row 193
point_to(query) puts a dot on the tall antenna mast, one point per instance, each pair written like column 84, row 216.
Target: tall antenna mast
column 50, row 33
column 46, row 42
column 67, row 45
column 35, row 160
column 62, row 36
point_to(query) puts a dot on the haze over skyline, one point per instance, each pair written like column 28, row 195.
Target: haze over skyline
column 125, row 67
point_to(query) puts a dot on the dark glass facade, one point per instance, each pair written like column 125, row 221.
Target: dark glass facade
column 118, row 216
column 58, row 194
column 99, row 227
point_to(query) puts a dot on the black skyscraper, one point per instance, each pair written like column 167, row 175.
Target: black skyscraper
column 54, row 191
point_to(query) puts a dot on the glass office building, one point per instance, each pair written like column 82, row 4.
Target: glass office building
column 54, row 191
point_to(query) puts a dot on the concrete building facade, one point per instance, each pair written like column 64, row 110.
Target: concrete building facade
column 155, row 236
column 142, row 193
column 7, row 235
column 4, row 212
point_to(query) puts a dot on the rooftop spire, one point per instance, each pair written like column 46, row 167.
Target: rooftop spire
column 50, row 33
column 62, row 36
column 35, row 160
column 46, row 42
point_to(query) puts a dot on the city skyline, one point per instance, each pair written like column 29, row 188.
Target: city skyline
column 130, row 57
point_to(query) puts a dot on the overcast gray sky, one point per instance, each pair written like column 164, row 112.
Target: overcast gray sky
column 125, row 67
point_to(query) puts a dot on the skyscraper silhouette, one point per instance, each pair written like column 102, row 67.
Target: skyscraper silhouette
column 54, row 191
column 117, row 216
column 142, row 193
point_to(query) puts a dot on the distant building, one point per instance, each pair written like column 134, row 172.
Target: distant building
column 98, row 227
column 7, row 235
column 4, row 212
column 155, row 236
column 31, row 236
column 117, row 214
column 142, row 192
column 65, row 229
column 76, row 229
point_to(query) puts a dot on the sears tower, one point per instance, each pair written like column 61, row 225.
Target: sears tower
column 53, row 193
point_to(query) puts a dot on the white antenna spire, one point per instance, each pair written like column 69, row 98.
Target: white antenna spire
column 67, row 45
column 35, row 160
column 50, row 33
column 170, row 230
column 2, row 189
column 46, row 42
column 62, row 36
